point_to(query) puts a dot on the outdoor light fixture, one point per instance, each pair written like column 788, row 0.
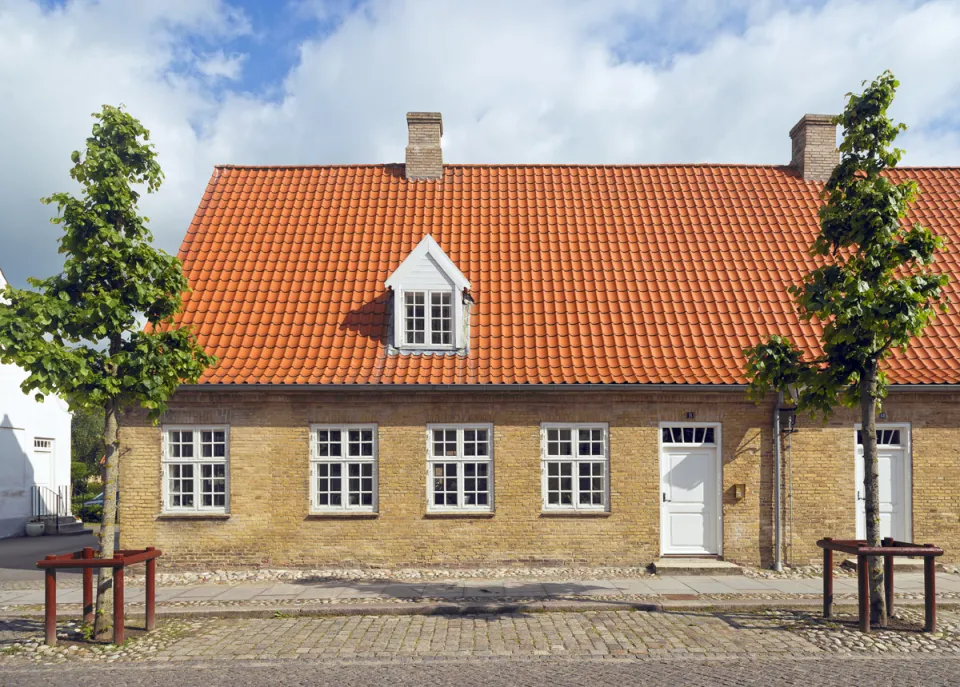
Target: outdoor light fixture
column 739, row 491
column 691, row 414
column 788, row 419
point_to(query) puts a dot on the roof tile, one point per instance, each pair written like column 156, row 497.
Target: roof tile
column 581, row 274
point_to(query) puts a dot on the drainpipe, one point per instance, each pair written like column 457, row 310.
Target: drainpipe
column 777, row 482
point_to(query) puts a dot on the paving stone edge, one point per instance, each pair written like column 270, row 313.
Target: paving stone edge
column 452, row 609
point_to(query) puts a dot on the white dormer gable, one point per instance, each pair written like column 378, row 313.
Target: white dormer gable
column 428, row 301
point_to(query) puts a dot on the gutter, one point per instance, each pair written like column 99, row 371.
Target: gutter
column 777, row 482
column 463, row 387
column 515, row 387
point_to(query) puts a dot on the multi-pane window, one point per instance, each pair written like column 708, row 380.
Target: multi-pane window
column 428, row 318
column 195, row 471
column 441, row 318
column 343, row 468
column 575, row 467
column 460, row 467
column 885, row 437
column 415, row 318
column 688, row 434
column 42, row 445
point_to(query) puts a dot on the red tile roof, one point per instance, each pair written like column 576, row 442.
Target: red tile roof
column 581, row 274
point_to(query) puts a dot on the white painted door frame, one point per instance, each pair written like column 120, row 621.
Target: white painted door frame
column 718, row 494
column 906, row 443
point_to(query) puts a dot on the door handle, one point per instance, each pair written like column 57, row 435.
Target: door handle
column 860, row 497
column 664, row 495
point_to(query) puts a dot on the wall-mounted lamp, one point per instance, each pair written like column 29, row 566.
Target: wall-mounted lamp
column 691, row 414
column 788, row 419
column 739, row 491
column 882, row 416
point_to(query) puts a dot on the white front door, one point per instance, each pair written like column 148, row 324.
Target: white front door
column 689, row 486
column 43, row 473
column 893, row 468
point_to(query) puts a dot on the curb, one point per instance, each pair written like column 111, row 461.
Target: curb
column 506, row 608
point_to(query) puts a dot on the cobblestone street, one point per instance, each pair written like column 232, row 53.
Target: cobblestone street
column 560, row 648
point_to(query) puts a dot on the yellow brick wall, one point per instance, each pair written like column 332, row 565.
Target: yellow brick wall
column 269, row 523
column 823, row 482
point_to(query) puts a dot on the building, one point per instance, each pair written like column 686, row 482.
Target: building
column 34, row 453
column 430, row 364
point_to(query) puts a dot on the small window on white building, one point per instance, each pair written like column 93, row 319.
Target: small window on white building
column 195, row 469
column 460, row 468
column 431, row 310
column 343, row 468
column 42, row 445
column 575, row 467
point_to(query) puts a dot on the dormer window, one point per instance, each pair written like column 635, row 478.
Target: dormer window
column 429, row 301
column 431, row 326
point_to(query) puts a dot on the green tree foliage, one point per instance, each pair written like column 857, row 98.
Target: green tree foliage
column 80, row 333
column 873, row 293
column 86, row 436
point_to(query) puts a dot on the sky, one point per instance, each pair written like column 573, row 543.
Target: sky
column 517, row 81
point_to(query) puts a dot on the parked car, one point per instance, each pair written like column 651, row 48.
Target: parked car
column 98, row 500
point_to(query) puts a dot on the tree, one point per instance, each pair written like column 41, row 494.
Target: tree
column 79, row 333
column 874, row 294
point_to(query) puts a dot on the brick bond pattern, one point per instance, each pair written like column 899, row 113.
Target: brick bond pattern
column 814, row 140
column 269, row 522
column 424, row 156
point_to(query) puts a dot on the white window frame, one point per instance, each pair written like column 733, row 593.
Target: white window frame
column 456, row 309
column 575, row 459
column 42, row 445
column 460, row 459
column 315, row 460
column 197, row 461
column 690, row 425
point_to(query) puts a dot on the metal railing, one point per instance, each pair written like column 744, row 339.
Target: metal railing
column 47, row 503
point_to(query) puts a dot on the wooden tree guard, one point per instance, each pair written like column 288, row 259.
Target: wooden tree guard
column 84, row 559
column 888, row 549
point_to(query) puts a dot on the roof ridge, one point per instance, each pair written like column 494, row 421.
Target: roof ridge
column 535, row 165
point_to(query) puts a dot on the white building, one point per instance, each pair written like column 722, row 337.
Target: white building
column 34, row 452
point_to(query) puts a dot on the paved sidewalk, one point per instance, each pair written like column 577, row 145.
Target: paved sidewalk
column 332, row 596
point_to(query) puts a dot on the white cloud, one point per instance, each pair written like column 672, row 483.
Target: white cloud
column 517, row 81
column 219, row 65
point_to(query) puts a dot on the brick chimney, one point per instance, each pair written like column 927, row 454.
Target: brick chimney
column 424, row 157
column 814, row 147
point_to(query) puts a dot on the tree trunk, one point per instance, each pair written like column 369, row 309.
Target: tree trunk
column 104, row 616
column 871, row 490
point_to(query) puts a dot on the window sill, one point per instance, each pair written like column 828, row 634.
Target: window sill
column 575, row 514
column 343, row 515
column 193, row 516
column 441, row 514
